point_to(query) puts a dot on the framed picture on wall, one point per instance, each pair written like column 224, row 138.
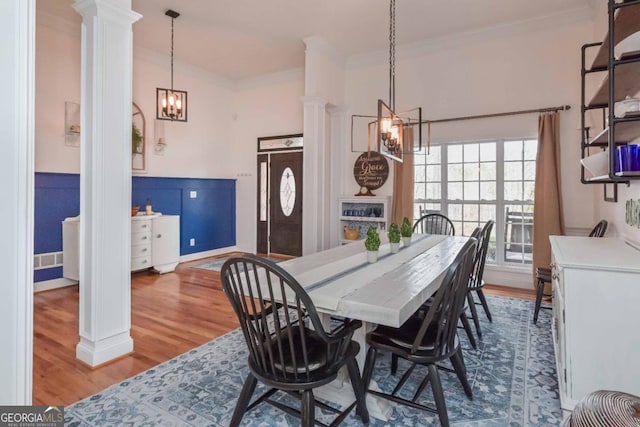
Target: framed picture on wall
column 138, row 140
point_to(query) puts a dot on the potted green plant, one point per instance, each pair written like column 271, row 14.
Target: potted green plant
column 406, row 231
column 372, row 243
column 136, row 139
column 394, row 238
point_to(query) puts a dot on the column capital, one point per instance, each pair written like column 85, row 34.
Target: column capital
column 119, row 10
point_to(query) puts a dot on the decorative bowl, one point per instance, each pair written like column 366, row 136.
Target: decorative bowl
column 628, row 105
column 351, row 233
column 627, row 46
column 134, row 210
column 597, row 164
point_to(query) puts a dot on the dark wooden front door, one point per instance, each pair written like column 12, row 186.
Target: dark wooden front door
column 285, row 207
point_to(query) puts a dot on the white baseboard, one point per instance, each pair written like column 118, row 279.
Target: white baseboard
column 95, row 353
column 47, row 285
column 515, row 278
column 206, row 254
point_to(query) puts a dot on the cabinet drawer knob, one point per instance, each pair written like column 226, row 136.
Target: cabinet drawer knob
column 144, row 250
column 159, row 236
column 144, row 261
column 144, row 237
column 144, row 225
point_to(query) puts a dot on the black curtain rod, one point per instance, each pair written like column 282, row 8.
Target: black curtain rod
column 510, row 113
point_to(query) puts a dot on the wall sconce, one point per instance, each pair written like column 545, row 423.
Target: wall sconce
column 160, row 141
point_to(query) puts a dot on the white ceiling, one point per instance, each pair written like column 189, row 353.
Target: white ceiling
column 238, row 39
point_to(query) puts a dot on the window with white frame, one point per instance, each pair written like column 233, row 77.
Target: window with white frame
column 471, row 182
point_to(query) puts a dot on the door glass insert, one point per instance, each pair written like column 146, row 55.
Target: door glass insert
column 287, row 191
column 263, row 191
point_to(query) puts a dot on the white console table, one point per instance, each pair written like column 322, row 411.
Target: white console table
column 155, row 242
column 596, row 295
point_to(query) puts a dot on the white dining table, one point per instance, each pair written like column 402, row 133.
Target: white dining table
column 341, row 282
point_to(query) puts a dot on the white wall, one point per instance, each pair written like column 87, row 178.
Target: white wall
column 523, row 66
column 57, row 81
column 218, row 141
column 324, row 71
column 527, row 65
column 197, row 148
column 265, row 106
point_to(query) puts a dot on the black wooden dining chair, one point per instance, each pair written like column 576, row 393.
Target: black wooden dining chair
column 434, row 223
column 543, row 274
column 476, row 282
column 429, row 340
column 288, row 348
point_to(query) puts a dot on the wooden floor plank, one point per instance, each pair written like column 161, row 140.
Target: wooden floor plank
column 170, row 314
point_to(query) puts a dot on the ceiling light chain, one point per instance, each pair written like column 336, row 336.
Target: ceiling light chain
column 172, row 19
column 392, row 54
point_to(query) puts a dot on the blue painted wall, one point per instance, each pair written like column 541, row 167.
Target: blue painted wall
column 209, row 218
column 57, row 196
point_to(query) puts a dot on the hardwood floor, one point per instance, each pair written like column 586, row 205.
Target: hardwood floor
column 506, row 291
column 170, row 314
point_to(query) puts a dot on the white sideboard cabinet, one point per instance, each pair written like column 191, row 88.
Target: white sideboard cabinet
column 596, row 295
column 155, row 242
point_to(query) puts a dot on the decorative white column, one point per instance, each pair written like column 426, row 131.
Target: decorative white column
column 339, row 153
column 105, row 180
column 17, row 73
column 313, row 181
column 324, row 88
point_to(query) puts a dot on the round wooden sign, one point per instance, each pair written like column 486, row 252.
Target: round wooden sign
column 371, row 170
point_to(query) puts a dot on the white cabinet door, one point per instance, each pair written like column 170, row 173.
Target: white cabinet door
column 165, row 242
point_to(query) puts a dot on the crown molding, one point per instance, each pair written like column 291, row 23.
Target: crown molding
column 163, row 60
column 57, row 23
column 73, row 29
column 498, row 32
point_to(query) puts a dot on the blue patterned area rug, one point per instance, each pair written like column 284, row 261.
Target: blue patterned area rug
column 213, row 265
column 512, row 373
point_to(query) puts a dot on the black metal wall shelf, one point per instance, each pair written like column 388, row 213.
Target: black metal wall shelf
column 621, row 79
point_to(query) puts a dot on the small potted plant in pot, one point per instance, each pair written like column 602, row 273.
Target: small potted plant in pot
column 406, row 231
column 394, row 238
column 372, row 243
